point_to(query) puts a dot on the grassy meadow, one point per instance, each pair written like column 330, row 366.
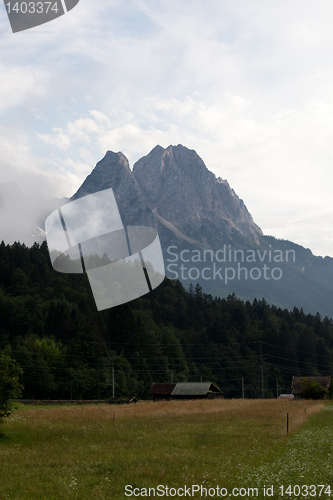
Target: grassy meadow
column 92, row 452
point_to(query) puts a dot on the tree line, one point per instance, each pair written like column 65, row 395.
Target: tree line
column 50, row 327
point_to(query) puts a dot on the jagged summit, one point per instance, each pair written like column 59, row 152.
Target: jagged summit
column 110, row 171
column 113, row 171
column 179, row 188
column 173, row 187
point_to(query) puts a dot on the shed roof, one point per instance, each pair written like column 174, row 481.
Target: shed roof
column 296, row 383
column 163, row 389
column 195, row 389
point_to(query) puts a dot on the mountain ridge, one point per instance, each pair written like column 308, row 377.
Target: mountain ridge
column 195, row 213
column 199, row 219
column 172, row 187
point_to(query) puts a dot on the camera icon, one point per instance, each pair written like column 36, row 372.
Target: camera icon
column 122, row 263
column 24, row 15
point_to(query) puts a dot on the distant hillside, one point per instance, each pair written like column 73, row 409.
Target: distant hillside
column 50, row 326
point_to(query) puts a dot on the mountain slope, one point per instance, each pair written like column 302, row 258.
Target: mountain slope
column 179, row 188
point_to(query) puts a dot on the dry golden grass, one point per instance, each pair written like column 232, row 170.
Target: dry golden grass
column 246, row 408
column 269, row 413
column 79, row 451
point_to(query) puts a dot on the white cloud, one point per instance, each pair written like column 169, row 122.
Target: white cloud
column 88, row 158
column 80, row 129
column 100, row 117
column 19, row 83
column 314, row 230
column 35, row 175
column 60, row 140
column 141, row 141
column 246, row 84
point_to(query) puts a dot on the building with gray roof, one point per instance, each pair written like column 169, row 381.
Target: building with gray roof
column 185, row 390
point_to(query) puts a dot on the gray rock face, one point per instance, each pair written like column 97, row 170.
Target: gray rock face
column 113, row 171
column 171, row 189
column 179, row 188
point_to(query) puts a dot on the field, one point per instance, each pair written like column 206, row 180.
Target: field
column 93, row 452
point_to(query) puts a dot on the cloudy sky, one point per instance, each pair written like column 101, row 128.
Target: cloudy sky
column 247, row 84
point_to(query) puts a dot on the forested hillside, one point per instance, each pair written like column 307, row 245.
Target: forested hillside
column 49, row 324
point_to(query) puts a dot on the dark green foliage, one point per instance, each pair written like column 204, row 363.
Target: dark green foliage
column 50, row 325
column 311, row 389
column 9, row 384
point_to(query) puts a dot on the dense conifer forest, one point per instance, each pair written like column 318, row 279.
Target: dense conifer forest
column 50, row 325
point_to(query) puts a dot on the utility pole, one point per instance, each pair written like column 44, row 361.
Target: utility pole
column 113, row 382
column 171, row 376
column 242, row 388
column 262, row 381
column 71, row 390
column 277, row 388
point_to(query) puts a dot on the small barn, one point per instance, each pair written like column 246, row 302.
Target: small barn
column 298, row 384
column 161, row 391
column 185, row 390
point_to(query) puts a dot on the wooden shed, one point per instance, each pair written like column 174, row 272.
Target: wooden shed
column 161, row 391
column 185, row 390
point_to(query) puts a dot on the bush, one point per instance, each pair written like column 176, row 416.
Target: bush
column 313, row 390
column 10, row 387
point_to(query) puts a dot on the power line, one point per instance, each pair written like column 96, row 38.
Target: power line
column 297, row 350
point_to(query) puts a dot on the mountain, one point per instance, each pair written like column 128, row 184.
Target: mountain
column 172, row 189
column 207, row 234
column 180, row 189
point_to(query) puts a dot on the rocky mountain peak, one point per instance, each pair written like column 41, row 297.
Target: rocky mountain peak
column 113, row 171
column 180, row 189
column 110, row 172
column 172, row 187
column 173, row 161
